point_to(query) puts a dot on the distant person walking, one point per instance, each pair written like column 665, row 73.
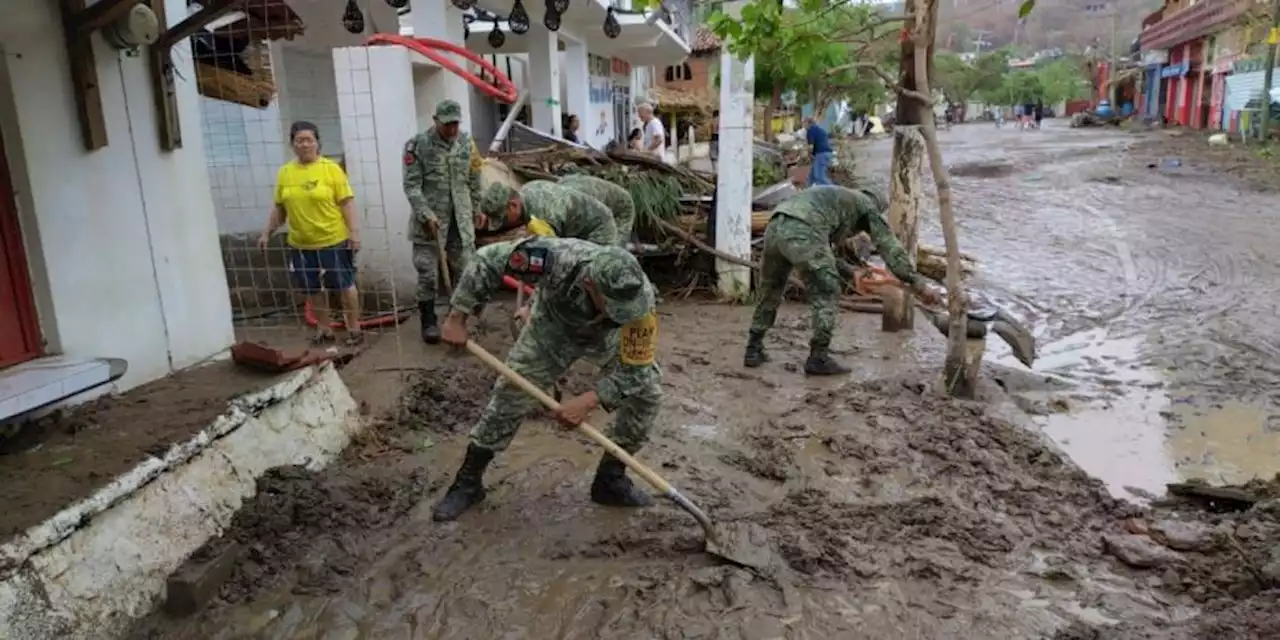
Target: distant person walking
column 1039, row 112
column 314, row 197
column 820, row 143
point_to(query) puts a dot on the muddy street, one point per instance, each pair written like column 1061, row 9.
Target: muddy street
column 892, row 511
column 1148, row 268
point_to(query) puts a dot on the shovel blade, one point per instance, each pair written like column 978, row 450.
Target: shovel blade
column 742, row 543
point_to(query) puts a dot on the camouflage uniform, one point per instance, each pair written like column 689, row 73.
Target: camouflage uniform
column 555, row 210
column 800, row 234
column 617, row 199
column 564, row 326
column 442, row 181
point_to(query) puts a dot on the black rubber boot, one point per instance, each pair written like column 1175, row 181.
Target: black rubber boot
column 820, row 363
column 467, row 488
column 427, row 314
column 613, row 488
column 755, row 355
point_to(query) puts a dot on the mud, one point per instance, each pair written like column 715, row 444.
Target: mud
column 894, row 511
column 49, row 463
column 309, row 530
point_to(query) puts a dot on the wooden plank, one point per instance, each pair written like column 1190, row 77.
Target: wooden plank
column 84, row 78
column 162, row 71
column 164, row 89
column 212, row 10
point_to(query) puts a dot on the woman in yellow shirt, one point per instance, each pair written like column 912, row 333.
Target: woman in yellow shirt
column 314, row 197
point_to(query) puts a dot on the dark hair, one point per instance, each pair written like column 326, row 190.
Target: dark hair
column 303, row 125
column 635, row 133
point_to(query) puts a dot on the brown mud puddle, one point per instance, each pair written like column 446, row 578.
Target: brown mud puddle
column 896, row 512
column 55, row 461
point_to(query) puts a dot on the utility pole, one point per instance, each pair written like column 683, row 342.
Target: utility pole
column 1268, row 72
column 1112, row 58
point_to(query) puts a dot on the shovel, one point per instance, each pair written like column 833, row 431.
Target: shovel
column 743, row 544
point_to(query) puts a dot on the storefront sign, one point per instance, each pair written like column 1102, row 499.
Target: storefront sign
column 1154, row 57
column 1175, row 71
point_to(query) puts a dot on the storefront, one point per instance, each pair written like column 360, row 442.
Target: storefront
column 1172, row 81
column 1218, row 117
column 1153, row 95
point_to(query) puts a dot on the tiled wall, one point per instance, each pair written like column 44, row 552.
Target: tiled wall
column 244, row 146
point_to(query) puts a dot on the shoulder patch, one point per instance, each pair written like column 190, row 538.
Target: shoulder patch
column 530, row 260
column 639, row 341
column 410, row 152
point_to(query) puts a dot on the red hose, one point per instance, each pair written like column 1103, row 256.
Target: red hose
column 512, row 283
column 383, row 319
column 501, row 89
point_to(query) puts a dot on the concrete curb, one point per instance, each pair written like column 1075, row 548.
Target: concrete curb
column 92, row 568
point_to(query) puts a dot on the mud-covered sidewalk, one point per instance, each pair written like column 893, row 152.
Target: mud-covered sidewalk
column 896, row 512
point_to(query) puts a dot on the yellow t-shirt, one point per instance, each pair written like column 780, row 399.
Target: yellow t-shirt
column 312, row 196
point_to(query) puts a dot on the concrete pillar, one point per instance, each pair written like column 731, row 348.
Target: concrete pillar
column 733, row 181
column 578, row 88
column 441, row 20
column 544, row 78
column 376, row 106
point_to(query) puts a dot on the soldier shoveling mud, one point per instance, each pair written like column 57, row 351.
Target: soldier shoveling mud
column 800, row 234
column 592, row 302
column 617, row 199
column 552, row 210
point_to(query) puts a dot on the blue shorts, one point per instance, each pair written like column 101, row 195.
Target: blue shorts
column 327, row 269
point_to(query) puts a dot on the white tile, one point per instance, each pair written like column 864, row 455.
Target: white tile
column 341, row 59
column 360, row 81
column 359, row 57
column 363, row 104
column 365, row 129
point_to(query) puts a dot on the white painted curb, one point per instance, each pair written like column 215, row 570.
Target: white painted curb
column 88, row 571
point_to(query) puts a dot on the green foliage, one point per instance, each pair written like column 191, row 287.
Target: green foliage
column 813, row 46
column 960, row 80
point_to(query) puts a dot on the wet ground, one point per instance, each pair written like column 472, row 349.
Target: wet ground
column 892, row 511
column 1147, row 264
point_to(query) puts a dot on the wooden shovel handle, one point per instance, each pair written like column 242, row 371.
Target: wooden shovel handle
column 528, row 387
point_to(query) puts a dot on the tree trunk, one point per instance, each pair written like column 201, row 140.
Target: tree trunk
column 960, row 371
column 905, row 191
column 775, row 99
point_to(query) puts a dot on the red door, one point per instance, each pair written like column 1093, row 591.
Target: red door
column 19, row 332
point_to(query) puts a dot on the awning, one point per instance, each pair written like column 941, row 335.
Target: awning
column 641, row 42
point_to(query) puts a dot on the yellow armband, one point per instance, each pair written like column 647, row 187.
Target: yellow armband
column 539, row 227
column 639, row 341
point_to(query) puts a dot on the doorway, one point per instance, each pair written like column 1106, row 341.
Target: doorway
column 19, row 329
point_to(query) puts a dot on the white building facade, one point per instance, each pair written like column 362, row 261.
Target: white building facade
column 368, row 101
column 109, row 252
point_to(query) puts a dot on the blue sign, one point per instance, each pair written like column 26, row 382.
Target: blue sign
column 1175, row 70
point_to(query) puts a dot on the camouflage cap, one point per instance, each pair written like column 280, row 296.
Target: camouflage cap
column 448, row 112
column 877, row 196
column 493, row 202
column 618, row 277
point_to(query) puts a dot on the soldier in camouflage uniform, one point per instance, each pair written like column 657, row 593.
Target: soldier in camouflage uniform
column 617, row 199
column 552, row 210
column 800, row 234
column 593, row 302
column 442, row 181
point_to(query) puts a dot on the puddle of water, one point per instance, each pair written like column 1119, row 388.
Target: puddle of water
column 1144, row 437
